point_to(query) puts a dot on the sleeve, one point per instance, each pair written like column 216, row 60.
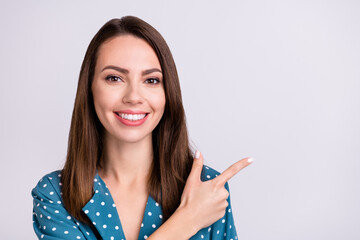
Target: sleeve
column 224, row 228
column 50, row 218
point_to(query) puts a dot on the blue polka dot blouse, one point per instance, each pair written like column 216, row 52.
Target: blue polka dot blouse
column 52, row 221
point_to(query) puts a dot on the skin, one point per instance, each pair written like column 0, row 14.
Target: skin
column 128, row 150
column 128, row 76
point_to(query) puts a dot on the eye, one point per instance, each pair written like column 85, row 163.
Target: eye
column 113, row 78
column 152, row 81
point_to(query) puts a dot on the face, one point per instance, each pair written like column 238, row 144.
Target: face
column 128, row 89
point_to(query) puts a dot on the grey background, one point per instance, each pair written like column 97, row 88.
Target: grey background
column 275, row 80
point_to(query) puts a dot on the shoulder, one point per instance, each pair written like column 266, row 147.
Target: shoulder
column 208, row 173
column 48, row 186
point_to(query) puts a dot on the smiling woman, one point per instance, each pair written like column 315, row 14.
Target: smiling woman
column 129, row 171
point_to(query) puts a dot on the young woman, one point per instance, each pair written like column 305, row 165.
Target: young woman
column 129, row 172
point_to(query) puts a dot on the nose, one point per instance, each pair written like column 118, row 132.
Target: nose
column 132, row 95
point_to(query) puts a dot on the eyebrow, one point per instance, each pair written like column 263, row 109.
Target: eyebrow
column 125, row 71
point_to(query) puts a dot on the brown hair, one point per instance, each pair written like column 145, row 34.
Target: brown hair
column 172, row 159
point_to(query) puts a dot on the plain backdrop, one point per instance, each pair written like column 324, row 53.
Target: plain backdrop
column 275, row 80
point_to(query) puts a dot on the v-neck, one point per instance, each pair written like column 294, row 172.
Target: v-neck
column 103, row 214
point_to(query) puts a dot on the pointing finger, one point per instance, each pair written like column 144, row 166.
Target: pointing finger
column 232, row 170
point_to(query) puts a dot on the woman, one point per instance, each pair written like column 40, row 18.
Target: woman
column 129, row 171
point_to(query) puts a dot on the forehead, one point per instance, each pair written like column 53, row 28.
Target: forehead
column 127, row 51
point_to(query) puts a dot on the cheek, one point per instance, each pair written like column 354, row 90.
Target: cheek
column 103, row 100
column 159, row 101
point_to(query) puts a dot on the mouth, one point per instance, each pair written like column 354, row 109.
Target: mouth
column 132, row 117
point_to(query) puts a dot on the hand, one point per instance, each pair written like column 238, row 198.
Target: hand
column 205, row 202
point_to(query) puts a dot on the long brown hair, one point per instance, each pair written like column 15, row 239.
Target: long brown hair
column 172, row 153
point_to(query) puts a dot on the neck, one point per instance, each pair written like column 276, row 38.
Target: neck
column 127, row 163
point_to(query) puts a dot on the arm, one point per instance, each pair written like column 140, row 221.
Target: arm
column 202, row 204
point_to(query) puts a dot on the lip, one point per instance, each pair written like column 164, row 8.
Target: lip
column 129, row 111
column 128, row 122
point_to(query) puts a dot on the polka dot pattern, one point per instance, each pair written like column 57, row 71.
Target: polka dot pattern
column 52, row 221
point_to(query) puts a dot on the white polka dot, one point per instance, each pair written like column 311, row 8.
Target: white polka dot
column 60, row 184
column 156, row 204
column 145, row 237
column 209, row 229
column 51, row 193
column 41, row 199
column 48, row 217
column 104, row 226
column 44, row 207
column 95, row 180
column 78, row 237
column 77, row 223
column 54, row 229
column 217, row 232
column 59, row 175
column 96, row 191
column 86, row 211
column 160, row 216
column 59, row 202
column 102, row 203
column 51, row 201
column 68, row 217
column 106, row 194
column 149, row 213
column 113, row 204
column 40, row 215
column 92, row 200
column 56, row 211
column 208, row 176
column 44, row 227
column 230, row 227
column 94, row 223
column 97, row 214
column 117, row 227
column 88, row 233
column 154, row 226
column 229, row 210
column 202, row 236
column 42, row 235
column 45, row 185
column 206, row 167
column 109, row 215
column 223, row 221
column 66, row 232
column 224, row 234
column 142, row 224
column 111, row 238
column 235, row 237
column 50, row 178
column 74, row 227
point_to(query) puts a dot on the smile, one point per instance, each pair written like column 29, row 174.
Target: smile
column 131, row 117
column 132, row 120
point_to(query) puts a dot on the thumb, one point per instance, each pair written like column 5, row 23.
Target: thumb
column 197, row 166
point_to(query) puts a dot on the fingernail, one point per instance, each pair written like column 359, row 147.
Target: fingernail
column 250, row 160
column 197, row 154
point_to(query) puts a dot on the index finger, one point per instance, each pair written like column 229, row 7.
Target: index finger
column 232, row 170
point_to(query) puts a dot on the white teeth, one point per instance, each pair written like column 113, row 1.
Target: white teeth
column 132, row 117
